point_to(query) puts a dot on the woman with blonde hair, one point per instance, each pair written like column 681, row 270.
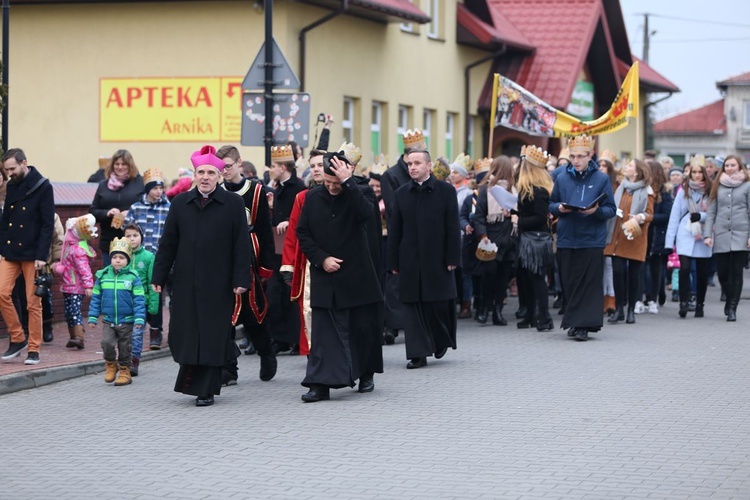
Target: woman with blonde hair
column 493, row 222
column 535, row 247
column 727, row 228
column 628, row 239
column 121, row 187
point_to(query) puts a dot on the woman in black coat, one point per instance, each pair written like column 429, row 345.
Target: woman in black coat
column 495, row 224
column 121, row 187
column 656, row 257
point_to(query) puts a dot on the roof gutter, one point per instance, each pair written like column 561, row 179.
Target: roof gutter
column 467, row 69
column 303, row 39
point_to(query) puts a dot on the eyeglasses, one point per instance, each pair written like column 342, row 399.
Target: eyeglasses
column 230, row 165
column 579, row 157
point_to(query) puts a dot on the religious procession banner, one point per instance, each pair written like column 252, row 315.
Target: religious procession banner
column 516, row 108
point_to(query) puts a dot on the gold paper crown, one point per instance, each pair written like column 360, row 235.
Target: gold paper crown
column 281, row 154
column 414, row 139
column 380, row 165
column 482, row 165
column 121, row 245
column 698, row 161
column 84, row 226
column 352, row 153
column 152, row 175
column 582, row 141
column 564, row 154
column 534, row 155
column 464, row 160
column 440, row 169
column 609, row 156
column 103, row 161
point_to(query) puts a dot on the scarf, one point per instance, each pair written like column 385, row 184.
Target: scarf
column 696, row 228
column 731, row 180
column 494, row 210
column 115, row 182
column 639, row 191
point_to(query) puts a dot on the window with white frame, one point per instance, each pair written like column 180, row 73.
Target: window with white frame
column 450, row 127
column 746, row 115
column 408, row 27
column 433, row 10
column 347, row 120
column 376, row 128
column 403, row 126
column 427, row 125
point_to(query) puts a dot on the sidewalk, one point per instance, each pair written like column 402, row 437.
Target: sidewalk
column 59, row 363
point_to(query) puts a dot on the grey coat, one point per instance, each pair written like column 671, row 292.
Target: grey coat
column 728, row 219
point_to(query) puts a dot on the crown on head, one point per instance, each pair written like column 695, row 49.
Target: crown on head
column 440, row 169
column 534, row 155
column 121, row 245
column 464, row 160
column 281, row 154
column 414, row 139
column 152, row 175
column 83, row 226
column 482, row 165
column 698, row 161
column 352, row 153
column 608, row 155
column 564, row 154
column 380, row 165
column 582, row 141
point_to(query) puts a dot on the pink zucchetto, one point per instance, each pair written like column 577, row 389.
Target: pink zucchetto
column 207, row 156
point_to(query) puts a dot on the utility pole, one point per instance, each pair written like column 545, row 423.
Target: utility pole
column 646, row 37
column 269, row 83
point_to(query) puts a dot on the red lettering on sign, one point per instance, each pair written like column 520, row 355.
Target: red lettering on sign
column 203, row 97
column 134, row 93
column 183, row 99
column 150, row 93
column 166, row 97
column 114, row 97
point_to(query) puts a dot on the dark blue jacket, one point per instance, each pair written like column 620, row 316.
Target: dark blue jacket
column 575, row 230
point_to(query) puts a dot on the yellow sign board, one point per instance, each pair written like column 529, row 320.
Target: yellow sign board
column 170, row 109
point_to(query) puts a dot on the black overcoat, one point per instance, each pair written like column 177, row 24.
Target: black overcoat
column 210, row 250
column 390, row 181
column 424, row 239
column 283, row 199
column 105, row 199
column 338, row 226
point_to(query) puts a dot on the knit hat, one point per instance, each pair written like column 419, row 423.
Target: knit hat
column 676, row 171
column 121, row 246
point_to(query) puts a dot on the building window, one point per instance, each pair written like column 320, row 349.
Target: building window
column 403, row 126
column 427, row 125
column 376, row 129
column 470, row 144
column 746, row 120
column 434, row 11
column 450, row 127
column 347, row 120
column 409, row 27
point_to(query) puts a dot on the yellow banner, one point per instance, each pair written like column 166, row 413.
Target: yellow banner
column 515, row 107
column 170, row 109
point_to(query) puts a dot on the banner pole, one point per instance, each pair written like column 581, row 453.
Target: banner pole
column 493, row 113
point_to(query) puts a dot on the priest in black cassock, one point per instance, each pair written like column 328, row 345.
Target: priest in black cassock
column 345, row 293
column 206, row 239
column 424, row 249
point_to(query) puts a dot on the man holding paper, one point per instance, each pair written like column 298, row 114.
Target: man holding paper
column 582, row 199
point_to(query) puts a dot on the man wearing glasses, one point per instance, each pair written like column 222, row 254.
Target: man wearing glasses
column 582, row 200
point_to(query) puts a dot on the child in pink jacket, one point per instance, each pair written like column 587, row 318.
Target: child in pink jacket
column 75, row 272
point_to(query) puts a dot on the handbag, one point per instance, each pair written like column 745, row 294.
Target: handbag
column 535, row 251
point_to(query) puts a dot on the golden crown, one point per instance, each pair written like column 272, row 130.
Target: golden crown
column 414, row 139
column 380, row 165
column 564, row 153
column 152, row 175
column 83, row 226
column 698, row 161
column 534, row 155
column 608, row 155
column 464, row 160
column 352, row 153
column 281, row 154
column 121, row 245
column 581, row 142
column 440, row 169
column 482, row 165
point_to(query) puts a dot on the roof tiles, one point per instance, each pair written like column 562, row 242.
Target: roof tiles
column 707, row 120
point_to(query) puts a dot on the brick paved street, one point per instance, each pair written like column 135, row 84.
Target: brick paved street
column 660, row 409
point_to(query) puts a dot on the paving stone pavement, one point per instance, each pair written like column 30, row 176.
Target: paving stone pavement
column 659, row 409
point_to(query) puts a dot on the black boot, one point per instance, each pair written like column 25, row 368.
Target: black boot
column 481, row 317
column 732, row 313
column 630, row 319
column 683, row 309
column 699, row 310
column 526, row 322
column 522, row 312
column 545, row 323
column 618, row 315
column 497, row 316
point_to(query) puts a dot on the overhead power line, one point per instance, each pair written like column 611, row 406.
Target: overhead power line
column 700, row 21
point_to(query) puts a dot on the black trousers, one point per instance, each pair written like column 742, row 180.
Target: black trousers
column 657, row 264
column 627, row 275
column 730, row 268
column 258, row 334
column 495, row 282
column 701, row 271
column 533, row 293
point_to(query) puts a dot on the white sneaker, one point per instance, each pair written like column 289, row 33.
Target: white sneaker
column 653, row 308
column 639, row 308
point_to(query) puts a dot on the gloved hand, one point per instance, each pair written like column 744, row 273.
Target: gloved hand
column 695, row 217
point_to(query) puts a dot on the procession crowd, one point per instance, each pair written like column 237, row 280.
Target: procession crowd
column 325, row 257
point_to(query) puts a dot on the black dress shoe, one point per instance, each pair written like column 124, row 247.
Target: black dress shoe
column 732, row 314
column 481, row 316
column 525, row 323
column 497, row 317
column 439, row 354
column 416, row 363
column 244, row 343
column 204, row 400
column 582, row 334
column 268, row 365
column 317, row 393
column 545, row 325
column 47, row 336
column 366, row 384
column 618, row 315
column 571, row 332
column 699, row 310
column 389, row 336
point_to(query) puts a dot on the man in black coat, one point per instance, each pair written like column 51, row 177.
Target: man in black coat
column 206, row 239
column 283, row 315
column 424, row 248
column 345, row 291
column 26, row 229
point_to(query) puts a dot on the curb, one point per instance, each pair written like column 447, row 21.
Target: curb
column 30, row 379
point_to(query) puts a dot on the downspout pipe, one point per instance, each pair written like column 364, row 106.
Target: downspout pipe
column 303, row 39
column 648, row 126
column 467, row 69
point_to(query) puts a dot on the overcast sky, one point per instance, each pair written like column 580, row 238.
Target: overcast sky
column 710, row 42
